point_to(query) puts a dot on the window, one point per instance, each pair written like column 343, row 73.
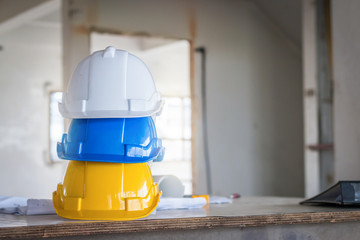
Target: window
column 174, row 128
column 56, row 124
column 169, row 63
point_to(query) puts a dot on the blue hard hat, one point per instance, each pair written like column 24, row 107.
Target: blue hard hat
column 122, row 140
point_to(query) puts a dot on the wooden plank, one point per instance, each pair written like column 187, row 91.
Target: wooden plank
column 325, row 93
column 311, row 129
column 150, row 225
column 243, row 213
column 76, row 40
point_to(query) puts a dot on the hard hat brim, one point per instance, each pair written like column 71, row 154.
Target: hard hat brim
column 106, row 191
column 115, row 215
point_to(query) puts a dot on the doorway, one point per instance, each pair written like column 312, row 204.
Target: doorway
column 169, row 62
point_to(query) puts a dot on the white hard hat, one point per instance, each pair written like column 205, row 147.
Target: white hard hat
column 111, row 84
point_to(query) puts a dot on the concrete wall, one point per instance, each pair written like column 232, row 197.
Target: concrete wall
column 30, row 66
column 346, row 57
column 253, row 86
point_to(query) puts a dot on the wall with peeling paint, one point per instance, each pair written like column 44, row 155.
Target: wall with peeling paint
column 254, row 83
column 30, row 66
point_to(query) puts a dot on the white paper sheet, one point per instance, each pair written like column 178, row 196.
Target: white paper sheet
column 180, row 203
column 25, row 206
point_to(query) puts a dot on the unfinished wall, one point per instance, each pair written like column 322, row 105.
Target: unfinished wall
column 30, row 66
column 253, row 84
column 346, row 57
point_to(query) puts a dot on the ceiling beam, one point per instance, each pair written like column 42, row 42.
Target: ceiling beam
column 35, row 12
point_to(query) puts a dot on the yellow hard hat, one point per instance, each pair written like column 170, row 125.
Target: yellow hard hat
column 106, row 191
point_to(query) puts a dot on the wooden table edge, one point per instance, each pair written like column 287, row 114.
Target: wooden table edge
column 150, row 225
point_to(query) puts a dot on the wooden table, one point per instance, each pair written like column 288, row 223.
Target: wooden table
column 248, row 217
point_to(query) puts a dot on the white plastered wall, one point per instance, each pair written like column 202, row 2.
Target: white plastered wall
column 254, row 85
column 30, row 66
column 253, row 90
column 346, row 59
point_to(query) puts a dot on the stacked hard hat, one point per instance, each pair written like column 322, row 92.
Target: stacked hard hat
column 112, row 101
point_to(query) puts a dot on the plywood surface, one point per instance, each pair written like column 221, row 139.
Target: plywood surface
column 244, row 212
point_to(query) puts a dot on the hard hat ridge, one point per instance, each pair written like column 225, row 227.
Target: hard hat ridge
column 109, row 52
